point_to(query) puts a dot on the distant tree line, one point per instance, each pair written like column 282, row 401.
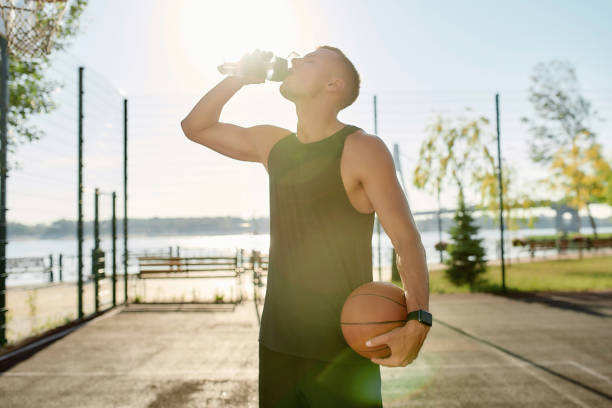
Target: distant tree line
column 216, row 226
column 155, row 226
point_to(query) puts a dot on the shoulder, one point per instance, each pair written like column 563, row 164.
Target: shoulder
column 266, row 136
column 367, row 153
column 268, row 132
column 365, row 147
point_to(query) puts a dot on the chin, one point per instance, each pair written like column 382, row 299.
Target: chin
column 286, row 92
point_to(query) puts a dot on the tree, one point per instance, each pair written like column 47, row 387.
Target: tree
column 452, row 154
column 467, row 256
column 607, row 175
column 562, row 140
column 456, row 154
column 431, row 170
column 515, row 199
column 579, row 173
column 29, row 92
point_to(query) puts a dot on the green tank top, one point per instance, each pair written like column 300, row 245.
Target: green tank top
column 320, row 249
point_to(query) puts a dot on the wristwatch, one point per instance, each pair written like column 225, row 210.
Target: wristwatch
column 420, row 315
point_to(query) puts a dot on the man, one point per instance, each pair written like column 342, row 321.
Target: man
column 326, row 182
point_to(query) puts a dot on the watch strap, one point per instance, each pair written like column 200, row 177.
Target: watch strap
column 421, row 315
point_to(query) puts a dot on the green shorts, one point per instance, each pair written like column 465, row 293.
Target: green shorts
column 286, row 380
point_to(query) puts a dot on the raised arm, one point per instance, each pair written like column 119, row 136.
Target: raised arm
column 202, row 125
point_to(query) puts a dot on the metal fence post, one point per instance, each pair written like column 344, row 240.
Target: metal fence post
column 50, row 268
column 80, row 201
column 114, row 229
column 125, row 219
column 4, row 100
column 94, row 252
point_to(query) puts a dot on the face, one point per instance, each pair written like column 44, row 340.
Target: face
column 311, row 76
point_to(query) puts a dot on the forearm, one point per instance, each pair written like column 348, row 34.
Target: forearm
column 208, row 109
column 412, row 266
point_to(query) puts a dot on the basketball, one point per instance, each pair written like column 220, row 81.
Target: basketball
column 370, row 310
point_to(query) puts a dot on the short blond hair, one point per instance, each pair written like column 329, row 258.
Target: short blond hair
column 353, row 80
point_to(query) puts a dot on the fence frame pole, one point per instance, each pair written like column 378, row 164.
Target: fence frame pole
column 4, row 100
column 80, row 201
column 125, row 213
column 114, row 232
column 501, row 200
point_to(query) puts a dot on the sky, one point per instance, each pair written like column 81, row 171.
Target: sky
column 420, row 58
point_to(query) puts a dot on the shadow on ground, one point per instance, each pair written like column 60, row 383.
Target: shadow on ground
column 592, row 303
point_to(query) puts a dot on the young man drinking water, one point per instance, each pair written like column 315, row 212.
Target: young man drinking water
column 326, row 181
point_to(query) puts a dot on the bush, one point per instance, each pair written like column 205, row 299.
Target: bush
column 441, row 246
column 467, row 256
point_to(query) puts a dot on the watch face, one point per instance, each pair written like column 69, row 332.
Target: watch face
column 425, row 317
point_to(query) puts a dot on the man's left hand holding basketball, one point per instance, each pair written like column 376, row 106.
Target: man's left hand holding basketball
column 404, row 342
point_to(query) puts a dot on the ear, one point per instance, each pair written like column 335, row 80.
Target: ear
column 336, row 84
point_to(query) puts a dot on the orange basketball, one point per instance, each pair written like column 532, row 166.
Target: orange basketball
column 370, row 310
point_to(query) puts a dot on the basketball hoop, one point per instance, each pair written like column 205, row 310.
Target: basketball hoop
column 30, row 25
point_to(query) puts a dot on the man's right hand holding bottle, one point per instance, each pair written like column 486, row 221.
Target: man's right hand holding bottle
column 253, row 67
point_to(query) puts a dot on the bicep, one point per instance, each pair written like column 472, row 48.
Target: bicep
column 379, row 179
column 231, row 140
column 240, row 143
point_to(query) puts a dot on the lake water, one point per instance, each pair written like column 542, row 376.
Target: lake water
column 208, row 245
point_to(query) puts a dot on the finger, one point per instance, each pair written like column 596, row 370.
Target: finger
column 375, row 341
column 382, row 361
column 409, row 359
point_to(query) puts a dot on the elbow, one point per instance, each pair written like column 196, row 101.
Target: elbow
column 185, row 127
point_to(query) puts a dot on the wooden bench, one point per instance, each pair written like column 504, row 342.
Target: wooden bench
column 176, row 267
column 565, row 244
column 599, row 243
column 164, row 267
column 541, row 244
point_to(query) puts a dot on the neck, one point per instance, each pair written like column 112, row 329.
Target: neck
column 316, row 121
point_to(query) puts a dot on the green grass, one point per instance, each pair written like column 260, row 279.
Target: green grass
column 554, row 275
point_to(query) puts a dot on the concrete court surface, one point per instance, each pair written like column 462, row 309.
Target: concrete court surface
column 484, row 350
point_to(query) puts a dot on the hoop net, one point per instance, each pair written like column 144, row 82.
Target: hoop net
column 30, row 25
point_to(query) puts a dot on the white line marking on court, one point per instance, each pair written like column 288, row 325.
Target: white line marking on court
column 591, row 371
column 529, row 369
column 517, row 359
column 483, row 365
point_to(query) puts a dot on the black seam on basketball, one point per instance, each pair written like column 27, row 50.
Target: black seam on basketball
column 389, row 321
column 374, row 294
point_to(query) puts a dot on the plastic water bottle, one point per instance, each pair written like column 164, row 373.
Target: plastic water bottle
column 259, row 64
